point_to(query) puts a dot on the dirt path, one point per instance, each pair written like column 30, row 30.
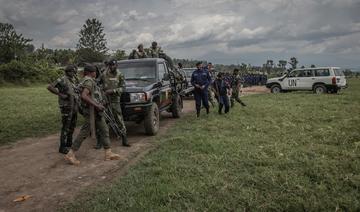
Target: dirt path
column 33, row 167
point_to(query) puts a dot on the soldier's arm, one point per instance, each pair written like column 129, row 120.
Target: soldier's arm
column 52, row 88
column 85, row 95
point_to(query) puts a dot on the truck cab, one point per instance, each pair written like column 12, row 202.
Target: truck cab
column 150, row 90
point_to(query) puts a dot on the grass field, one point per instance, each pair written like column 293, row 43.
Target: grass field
column 27, row 112
column 288, row 152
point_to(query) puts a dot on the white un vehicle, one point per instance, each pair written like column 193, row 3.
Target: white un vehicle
column 319, row 80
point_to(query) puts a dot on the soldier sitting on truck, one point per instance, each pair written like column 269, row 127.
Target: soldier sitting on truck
column 137, row 54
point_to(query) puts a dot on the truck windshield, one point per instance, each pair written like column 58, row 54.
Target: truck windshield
column 138, row 71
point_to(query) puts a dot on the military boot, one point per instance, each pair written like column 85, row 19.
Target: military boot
column 70, row 157
column 125, row 141
column 111, row 156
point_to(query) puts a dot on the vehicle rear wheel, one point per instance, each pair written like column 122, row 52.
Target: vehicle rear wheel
column 275, row 88
column 152, row 119
column 177, row 107
column 320, row 89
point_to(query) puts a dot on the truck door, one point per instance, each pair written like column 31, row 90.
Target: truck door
column 165, row 90
column 291, row 81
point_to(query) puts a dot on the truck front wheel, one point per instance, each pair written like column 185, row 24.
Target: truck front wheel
column 177, row 106
column 152, row 120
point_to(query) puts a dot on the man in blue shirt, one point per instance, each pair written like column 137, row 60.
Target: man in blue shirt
column 201, row 79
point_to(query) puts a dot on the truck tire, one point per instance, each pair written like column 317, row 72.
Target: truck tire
column 275, row 88
column 320, row 89
column 177, row 107
column 152, row 120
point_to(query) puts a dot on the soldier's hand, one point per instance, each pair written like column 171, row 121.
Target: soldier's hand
column 63, row 96
column 202, row 87
column 100, row 107
column 109, row 92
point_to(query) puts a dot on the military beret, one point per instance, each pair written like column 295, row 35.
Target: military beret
column 70, row 68
column 112, row 62
column 89, row 68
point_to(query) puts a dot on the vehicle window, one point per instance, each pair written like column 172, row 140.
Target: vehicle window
column 141, row 71
column 295, row 73
column 339, row 72
column 322, row 72
column 308, row 73
column 162, row 70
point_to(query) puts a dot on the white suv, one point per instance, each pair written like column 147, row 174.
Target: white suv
column 319, row 80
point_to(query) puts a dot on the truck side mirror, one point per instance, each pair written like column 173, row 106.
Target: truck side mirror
column 166, row 77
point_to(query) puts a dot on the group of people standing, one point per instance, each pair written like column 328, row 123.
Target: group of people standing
column 224, row 88
column 87, row 97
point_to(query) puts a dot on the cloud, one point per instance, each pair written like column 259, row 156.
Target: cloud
column 199, row 28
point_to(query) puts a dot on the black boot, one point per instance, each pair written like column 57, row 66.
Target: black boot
column 98, row 145
column 64, row 150
column 207, row 110
column 125, row 141
column 197, row 114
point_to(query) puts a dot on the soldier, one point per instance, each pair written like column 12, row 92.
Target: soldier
column 65, row 88
column 92, row 112
column 155, row 51
column 113, row 83
column 200, row 79
column 222, row 88
column 140, row 53
column 211, row 94
column 235, row 87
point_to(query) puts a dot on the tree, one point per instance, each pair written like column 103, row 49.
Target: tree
column 12, row 45
column 282, row 64
column 92, row 42
column 120, row 55
column 312, row 66
column 293, row 62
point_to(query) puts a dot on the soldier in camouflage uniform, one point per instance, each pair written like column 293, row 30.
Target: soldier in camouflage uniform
column 113, row 83
column 235, row 87
column 211, row 93
column 140, row 53
column 155, row 50
column 66, row 88
column 90, row 102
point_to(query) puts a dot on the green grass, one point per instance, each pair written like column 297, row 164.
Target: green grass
column 27, row 112
column 288, row 152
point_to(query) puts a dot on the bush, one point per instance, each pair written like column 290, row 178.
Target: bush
column 28, row 71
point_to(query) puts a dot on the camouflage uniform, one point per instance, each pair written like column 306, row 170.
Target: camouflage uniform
column 235, row 94
column 115, row 82
column 137, row 55
column 211, row 93
column 155, row 52
column 102, row 130
column 68, row 108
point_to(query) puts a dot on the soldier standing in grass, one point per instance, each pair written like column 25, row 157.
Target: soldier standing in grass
column 66, row 88
column 221, row 89
column 235, row 87
column 211, row 94
column 91, row 109
column 201, row 79
column 113, row 83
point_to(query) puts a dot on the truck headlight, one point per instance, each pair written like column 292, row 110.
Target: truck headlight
column 137, row 97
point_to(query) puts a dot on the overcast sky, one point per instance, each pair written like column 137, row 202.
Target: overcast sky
column 321, row 32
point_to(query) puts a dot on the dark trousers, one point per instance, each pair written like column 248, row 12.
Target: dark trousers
column 201, row 96
column 224, row 101
column 69, row 118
